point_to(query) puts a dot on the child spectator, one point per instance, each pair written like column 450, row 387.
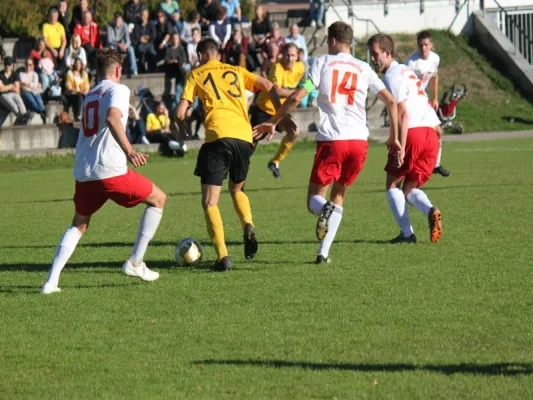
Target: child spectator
column 49, row 75
column 75, row 51
column 31, row 89
column 191, row 48
column 77, row 87
column 220, row 30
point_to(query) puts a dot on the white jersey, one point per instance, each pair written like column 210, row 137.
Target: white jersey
column 424, row 69
column 405, row 86
column 343, row 83
column 98, row 155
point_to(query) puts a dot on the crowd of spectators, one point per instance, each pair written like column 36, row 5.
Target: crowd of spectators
column 61, row 65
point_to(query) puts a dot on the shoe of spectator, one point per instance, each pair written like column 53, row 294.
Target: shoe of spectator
column 313, row 24
column 43, row 117
column 320, row 25
column 144, row 140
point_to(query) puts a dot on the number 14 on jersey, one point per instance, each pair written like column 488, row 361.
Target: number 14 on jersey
column 343, row 88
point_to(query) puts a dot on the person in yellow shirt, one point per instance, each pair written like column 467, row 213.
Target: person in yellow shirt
column 285, row 75
column 158, row 129
column 54, row 34
column 228, row 141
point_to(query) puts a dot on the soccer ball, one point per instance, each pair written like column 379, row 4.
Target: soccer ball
column 188, row 252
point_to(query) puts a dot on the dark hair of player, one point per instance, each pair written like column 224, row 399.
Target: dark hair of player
column 385, row 42
column 207, row 45
column 288, row 46
column 423, row 35
column 341, row 32
column 106, row 59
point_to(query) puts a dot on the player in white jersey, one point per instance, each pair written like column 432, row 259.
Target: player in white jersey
column 425, row 64
column 101, row 172
column 409, row 170
column 343, row 83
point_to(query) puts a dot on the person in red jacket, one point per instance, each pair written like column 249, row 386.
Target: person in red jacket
column 90, row 37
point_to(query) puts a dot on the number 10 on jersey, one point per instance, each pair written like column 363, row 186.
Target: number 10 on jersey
column 343, row 87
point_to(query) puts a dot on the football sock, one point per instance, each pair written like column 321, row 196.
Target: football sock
column 316, row 203
column 333, row 224
column 147, row 227
column 66, row 247
column 439, row 155
column 400, row 210
column 242, row 207
column 420, row 201
column 216, row 231
column 284, row 148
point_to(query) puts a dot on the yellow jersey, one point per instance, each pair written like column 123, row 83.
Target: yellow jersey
column 53, row 34
column 221, row 89
column 286, row 79
column 155, row 122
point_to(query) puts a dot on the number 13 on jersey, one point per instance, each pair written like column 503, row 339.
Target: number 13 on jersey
column 343, row 88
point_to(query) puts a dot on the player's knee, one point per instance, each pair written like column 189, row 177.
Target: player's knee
column 209, row 203
column 82, row 227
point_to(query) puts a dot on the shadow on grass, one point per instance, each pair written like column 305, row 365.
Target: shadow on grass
column 518, row 119
column 498, row 369
column 156, row 243
column 18, row 289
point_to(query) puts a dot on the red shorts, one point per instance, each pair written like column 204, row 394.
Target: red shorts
column 421, row 151
column 338, row 161
column 126, row 190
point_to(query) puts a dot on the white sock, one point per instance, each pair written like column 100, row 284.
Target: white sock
column 316, row 203
column 400, row 210
column 437, row 164
column 147, row 228
column 420, row 201
column 66, row 247
column 333, row 225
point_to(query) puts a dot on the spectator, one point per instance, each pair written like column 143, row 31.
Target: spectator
column 2, row 50
column 158, row 127
column 37, row 53
column 10, row 93
column 208, row 11
column 77, row 13
column 298, row 40
column 317, row 12
column 135, row 128
column 261, row 31
column 143, row 39
column 191, row 48
column 54, row 35
column 77, row 87
column 163, row 31
column 233, row 11
column 118, row 38
column 175, row 69
column 75, row 51
column 49, row 75
column 90, row 36
column 169, row 7
column 176, row 21
column 31, row 90
column 236, row 51
column 272, row 55
column 275, row 36
column 220, row 30
column 193, row 21
column 133, row 10
column 64, row 16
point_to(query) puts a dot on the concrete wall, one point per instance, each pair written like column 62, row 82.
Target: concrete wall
column 18, row 138
column 405, row 16
column 495, row 43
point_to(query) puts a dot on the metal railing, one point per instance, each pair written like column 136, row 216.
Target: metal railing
column 517, row 26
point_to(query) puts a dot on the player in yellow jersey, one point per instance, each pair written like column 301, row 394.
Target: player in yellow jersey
column 285, row 75
column 228, row 141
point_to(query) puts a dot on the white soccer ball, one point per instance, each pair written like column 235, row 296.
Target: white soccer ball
column 188, row 252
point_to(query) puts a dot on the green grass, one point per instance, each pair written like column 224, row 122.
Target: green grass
column 493, row 102
column 445, row 321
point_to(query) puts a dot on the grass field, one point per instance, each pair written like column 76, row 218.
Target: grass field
column 445, row 321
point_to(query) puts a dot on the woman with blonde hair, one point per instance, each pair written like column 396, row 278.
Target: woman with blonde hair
column 75, row 51
column 77, row 87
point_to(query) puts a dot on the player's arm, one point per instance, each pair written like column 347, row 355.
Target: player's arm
column 266, row 86
column 393, row 142
column 117, row 130
column 435, row 90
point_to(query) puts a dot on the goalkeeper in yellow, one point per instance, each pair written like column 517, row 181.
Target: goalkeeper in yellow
column 228, row 141
column 285, row 75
